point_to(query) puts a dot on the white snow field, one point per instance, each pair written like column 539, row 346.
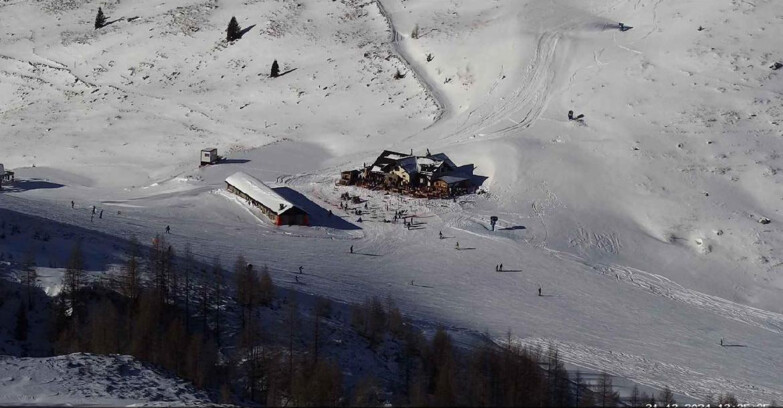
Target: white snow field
column 88, row 379
column 640, row 224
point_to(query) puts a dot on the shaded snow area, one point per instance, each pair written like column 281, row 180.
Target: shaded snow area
column 641, row 223
column 74, row 379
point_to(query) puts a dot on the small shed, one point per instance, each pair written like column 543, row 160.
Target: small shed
column 5, row 175
column 349, row 177
column 259, row 195
column 209, row 156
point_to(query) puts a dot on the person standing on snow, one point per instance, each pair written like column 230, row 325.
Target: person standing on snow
column 351, row 248
column 500, row 268
column 300, row 269
column 168, row 229
column 457, row 246
column 440, row 234
column 72, row 204
column 100, row 215
column 539, row 291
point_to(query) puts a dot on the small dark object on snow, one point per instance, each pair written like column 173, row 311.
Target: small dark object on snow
column 572, row 117
column 764, row 220
column 100, row 19
column 399, row 75
column 500, row 268
column 233, row 30
column 776, row 66
column 701, row 28
column 359, row 220
column 300, row 269
column 168, row 229
column 624, row 27
column 275, row 70
column 539, row 291
column 351, row 248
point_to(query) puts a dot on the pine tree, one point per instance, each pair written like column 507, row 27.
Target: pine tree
column 266, row 289
column 100, row 19
column 73, row 279
column 130, row 281
column 666, row 397
column 275, row 70
column 29, row 277
column 217, row 299
column 187, row 272
column 635, row 399
column 233, row 30
column 606, row 396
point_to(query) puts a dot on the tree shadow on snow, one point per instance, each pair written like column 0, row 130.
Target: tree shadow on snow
column 515, row 227
column 287, row 72
column 318, row 216
column 245, row 30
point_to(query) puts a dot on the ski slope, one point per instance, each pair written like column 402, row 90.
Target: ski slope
column 639, row 224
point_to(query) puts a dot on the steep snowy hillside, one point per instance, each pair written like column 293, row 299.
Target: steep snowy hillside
column 140, row 97
column 640, row 223
column 97, row 380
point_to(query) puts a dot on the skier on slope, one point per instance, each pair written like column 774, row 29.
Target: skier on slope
column 351, row 248
column 100, row 215
column 440, row 234
column 300, row 269
column 539, row 291
column 72, row 204
column 457, row 246
column 168, row 229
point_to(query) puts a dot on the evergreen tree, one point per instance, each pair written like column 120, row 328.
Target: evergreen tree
column 606, row 395
column 100, row 19
column 73, row 279
column 29, row 277
column 635, row 399
column 666, row 397
column 275, row 70
column 233, row 30
column 130, row 281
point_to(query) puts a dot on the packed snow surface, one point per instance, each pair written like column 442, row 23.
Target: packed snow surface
column 641, row 223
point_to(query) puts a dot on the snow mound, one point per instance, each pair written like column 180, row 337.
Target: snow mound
column 82, row 379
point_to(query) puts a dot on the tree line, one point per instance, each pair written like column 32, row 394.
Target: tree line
column 168, row 309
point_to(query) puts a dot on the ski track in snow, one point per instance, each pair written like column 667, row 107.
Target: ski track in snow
column 637, row 367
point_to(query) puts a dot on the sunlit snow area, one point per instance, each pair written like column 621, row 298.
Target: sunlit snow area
column 641, row 223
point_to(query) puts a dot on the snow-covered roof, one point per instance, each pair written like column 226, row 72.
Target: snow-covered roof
column 260, row 192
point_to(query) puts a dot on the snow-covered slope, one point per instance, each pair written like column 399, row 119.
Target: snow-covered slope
column 76, row 379
column 641, row 222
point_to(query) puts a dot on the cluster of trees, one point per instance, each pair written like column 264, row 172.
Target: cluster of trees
column 172, row 311
column 165, row 311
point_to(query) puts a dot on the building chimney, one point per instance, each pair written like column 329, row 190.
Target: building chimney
column 411, row 152
column 282, row 206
